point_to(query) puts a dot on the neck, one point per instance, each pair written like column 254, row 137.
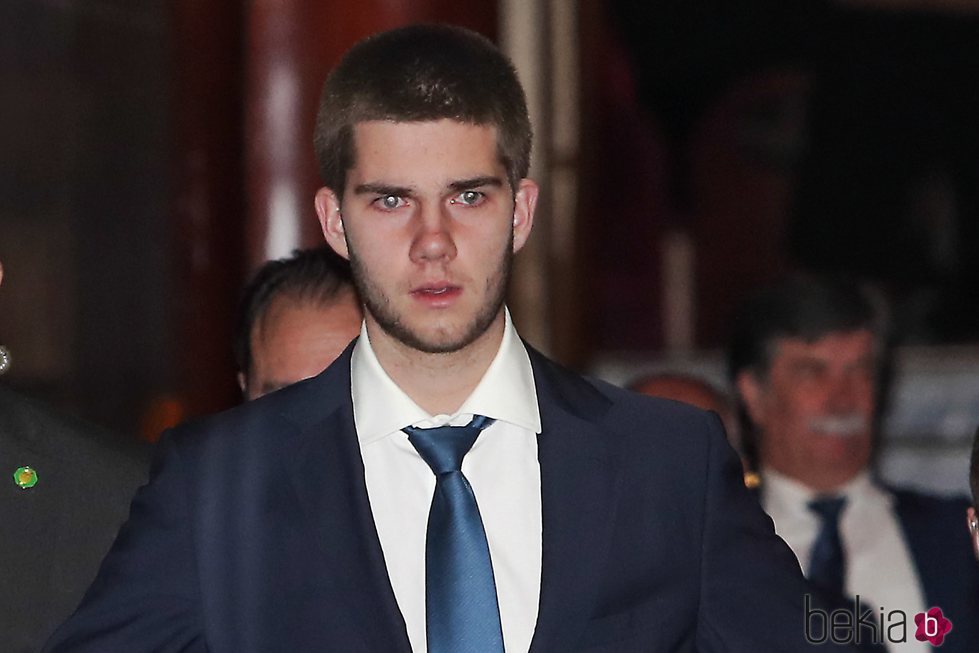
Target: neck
column 439, row 383
column 818, row 483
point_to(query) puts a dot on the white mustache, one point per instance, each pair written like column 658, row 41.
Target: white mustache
column 846, row 425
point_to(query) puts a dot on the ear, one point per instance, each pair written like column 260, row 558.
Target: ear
column 752, row 394
column 242, row 384
column 973, row 524
column 524, row 205
column 331, row 221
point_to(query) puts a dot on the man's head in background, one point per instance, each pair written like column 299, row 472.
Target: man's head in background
column 296, row 316
column 973, row 520
column 806, row 360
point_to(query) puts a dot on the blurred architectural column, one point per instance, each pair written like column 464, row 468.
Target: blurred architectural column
column 542, row 39
column 286, row 61
column 291, row 46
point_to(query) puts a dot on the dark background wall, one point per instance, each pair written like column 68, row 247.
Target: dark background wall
column 84, row 201
column 835, row 136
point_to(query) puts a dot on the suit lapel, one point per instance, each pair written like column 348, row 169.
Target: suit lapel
column 329, row 483
column 578, row 489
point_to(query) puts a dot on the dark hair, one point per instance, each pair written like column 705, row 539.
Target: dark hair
column 802, row 306
column 416, row 74
column 809, row 307
column 316, row 276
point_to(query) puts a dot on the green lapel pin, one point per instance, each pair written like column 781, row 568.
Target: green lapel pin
column 25, row 477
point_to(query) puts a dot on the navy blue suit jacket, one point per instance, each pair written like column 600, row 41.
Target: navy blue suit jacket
column 255, row 534
column 935, row 531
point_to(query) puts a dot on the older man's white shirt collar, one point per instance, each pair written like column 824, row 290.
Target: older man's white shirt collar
column 782, row 493
column 506, row 392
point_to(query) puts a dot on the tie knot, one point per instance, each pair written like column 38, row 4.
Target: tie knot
column 444, row 447
column 828, row 508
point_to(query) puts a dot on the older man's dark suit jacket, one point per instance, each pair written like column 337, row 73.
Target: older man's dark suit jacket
column 54, row 535
column 255, row 534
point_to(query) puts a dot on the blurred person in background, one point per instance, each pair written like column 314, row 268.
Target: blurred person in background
column 807, row 359
column 296, row 316
column 65, row 488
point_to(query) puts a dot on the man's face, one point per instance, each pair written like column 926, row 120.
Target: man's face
column 814, row 410
column 972, row 522
column 296, row 339
column 430, row 226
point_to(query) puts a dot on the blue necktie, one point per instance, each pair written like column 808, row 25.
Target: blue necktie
column 827, row 564
column 461, row 609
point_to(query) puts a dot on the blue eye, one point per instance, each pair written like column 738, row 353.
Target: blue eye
column 469, row 198
column 391, row 202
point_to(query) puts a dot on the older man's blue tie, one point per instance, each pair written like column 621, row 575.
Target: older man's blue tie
column 461, row 608
column 827, row 562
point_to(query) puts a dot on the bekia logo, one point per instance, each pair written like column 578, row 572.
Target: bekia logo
column 859, row 625
column 932, row 626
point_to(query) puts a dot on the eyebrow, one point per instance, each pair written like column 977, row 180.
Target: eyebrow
column 371, row 188
column 476, row 182
column 381, row 189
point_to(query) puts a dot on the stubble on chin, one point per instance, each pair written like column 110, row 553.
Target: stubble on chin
column 379, row 305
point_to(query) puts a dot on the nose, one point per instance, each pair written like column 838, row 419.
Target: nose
column 433, row 240
column 848, row 392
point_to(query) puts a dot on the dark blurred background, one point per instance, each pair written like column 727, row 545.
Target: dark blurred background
column 157, row 152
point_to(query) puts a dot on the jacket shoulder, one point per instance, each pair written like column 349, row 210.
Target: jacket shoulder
column 271, row 417
column 31, row 426
column 926, row 504
column 578, row 389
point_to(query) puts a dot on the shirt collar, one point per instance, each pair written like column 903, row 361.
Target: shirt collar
column 506, row 392
column 780, row 490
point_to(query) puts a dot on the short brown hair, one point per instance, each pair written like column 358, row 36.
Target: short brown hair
column 417, row 74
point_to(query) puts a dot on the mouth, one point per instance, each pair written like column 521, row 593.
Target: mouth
column 437, row 294
column 435, row 288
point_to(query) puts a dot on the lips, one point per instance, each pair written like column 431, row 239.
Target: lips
column 435, row 288
column 437, row 294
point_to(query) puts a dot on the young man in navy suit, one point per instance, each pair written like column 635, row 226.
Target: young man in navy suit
column 442, row 486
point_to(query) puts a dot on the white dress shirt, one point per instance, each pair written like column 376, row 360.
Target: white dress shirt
column 879, row 566
column 502, row 468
